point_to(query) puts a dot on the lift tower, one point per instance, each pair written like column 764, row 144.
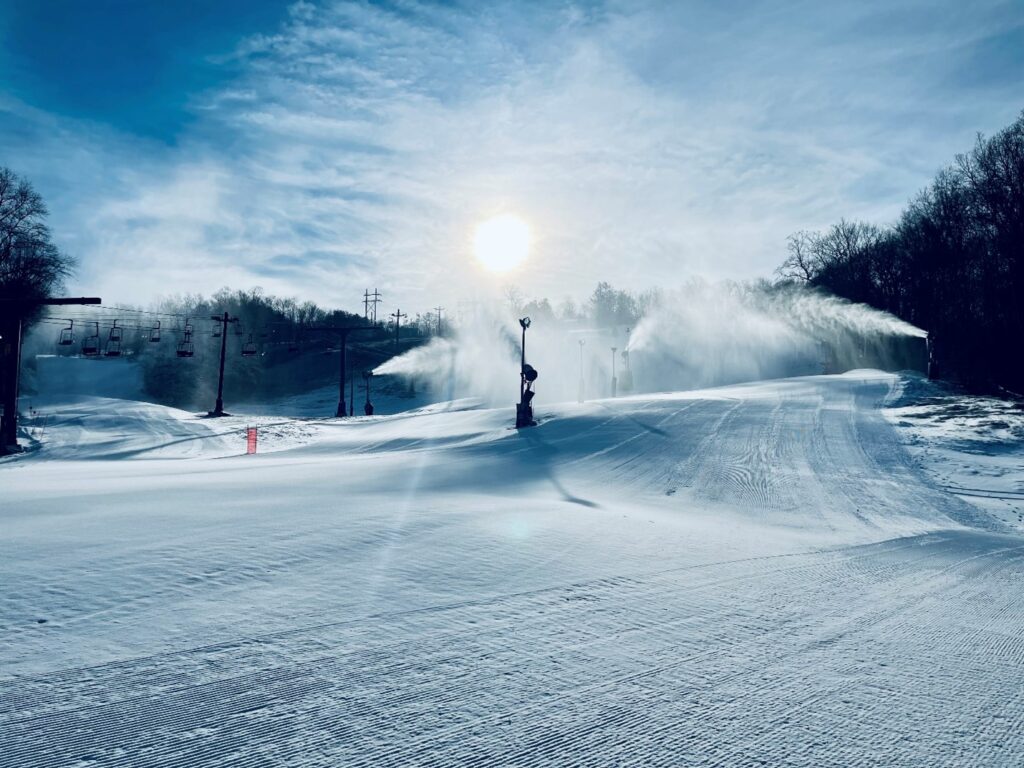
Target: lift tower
column 342, row 334
column 12, row 316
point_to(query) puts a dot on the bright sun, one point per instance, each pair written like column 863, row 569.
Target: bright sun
column 502, row 243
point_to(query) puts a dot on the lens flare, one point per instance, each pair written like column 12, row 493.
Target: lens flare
column 502, row 243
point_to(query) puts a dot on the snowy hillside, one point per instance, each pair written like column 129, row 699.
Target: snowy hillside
column 750, row 575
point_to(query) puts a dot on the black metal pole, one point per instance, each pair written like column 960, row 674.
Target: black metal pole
column 342, row 409
column 522, row 366
column 10, row 369
column 9, row 428
column 219, row 408
column 368, row 407
column 580, row 394
column 614, row 380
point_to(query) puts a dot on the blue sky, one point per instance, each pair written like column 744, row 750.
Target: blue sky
column 315, row 149
column 132, row 64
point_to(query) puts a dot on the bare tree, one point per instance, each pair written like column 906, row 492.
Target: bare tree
column 802, row 262
column 514, row 297
column 30, row 264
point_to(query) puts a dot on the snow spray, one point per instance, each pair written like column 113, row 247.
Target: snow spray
column 699, row 335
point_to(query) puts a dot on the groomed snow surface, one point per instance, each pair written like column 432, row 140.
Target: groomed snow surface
column 752, row 575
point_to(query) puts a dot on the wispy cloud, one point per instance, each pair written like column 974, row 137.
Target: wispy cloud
column 645, row 142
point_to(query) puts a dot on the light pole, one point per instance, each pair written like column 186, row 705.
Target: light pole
column 615, row 381
column 579, row 396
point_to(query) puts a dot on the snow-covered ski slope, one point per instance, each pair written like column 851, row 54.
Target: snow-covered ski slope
column 750, row 575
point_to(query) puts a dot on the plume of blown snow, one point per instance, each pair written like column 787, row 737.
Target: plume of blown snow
column 697, row 336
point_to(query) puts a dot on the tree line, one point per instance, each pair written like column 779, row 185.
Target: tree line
column 952, row 264
column 606, row 307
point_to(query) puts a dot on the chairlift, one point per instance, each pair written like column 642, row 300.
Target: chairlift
column 185, row 347
column 91, row 344
column 113, row 341
column 249, row 348
column 239, row 329
column 218, row 329
column 154, row 333
column 67, row 335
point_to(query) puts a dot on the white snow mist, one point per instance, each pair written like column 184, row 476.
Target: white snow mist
column 697, row 336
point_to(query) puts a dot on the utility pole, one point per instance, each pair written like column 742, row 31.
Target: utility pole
column 12, row 315
column 366, row 305
column 398, row 315
column 579, row 397
column 439, row 310
column 224, row 320
column 373, row 299
column 615, row 381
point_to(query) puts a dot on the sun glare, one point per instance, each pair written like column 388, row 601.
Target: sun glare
column 502, row 243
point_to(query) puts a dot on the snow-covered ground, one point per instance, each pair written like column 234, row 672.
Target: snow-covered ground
column 750, row 575
column 969, row 445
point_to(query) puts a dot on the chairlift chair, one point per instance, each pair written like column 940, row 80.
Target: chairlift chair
column 218, row 329
column 91, row 344
column 249, row 348
column 154, row 333
column 113, row 342
column 185, row 347
column 67, row 335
